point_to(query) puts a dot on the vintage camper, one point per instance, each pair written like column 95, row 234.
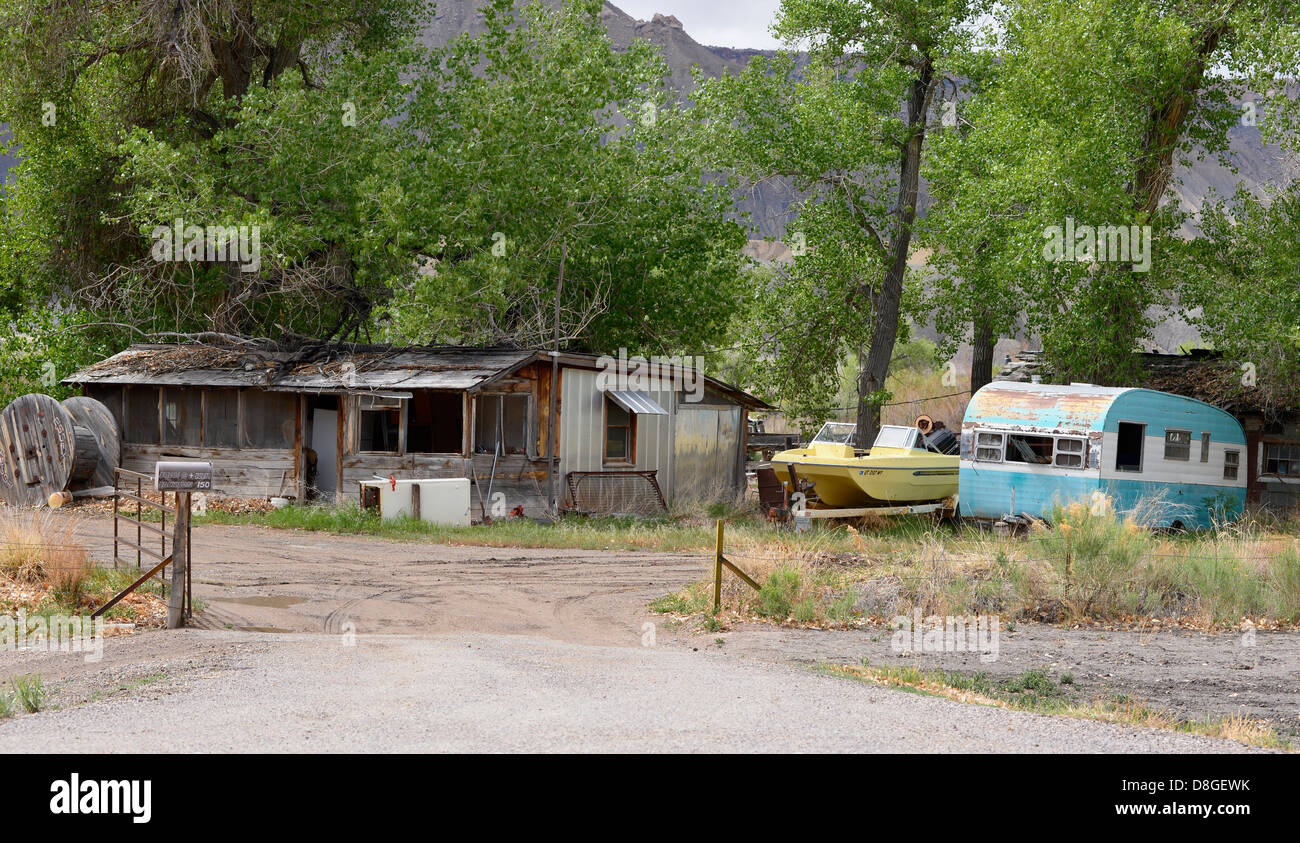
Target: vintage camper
column 1170, row 461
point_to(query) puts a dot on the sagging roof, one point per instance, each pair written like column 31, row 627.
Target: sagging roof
column 332, row 367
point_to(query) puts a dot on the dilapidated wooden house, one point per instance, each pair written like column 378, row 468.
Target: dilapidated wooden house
column 1268, row 409
column 312, row 423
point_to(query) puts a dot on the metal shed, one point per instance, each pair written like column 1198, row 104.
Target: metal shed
column 313, row 422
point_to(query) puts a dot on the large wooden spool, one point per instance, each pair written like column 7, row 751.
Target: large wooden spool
column 46, row 448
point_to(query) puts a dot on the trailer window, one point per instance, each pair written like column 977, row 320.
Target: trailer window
column 1128, row 446
column 1069, row 453
column 1178, row 444
column 988, row 447
column 1036, row 450
column 1231, row 460
column 1205, row 447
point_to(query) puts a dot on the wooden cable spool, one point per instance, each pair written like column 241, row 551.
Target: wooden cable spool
column 924, row 423
column 45, row 448
column 93, row 415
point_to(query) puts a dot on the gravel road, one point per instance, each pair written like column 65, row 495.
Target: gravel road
column 381, row 645
column 495, row 693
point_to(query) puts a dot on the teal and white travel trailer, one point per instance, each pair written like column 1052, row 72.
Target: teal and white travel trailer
column 1170, row 461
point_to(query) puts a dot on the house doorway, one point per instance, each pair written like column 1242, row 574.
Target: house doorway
column 323, row 445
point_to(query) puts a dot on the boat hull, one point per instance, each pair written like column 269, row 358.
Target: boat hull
column 892, row 479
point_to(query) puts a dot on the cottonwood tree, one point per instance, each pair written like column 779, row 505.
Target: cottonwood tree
column 849, row 131
column 540, row 142
column 223, row 112
column 1094, row 102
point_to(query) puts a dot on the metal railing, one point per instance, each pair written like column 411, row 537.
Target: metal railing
column 123, row 478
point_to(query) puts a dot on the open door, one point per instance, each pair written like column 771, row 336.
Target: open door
column 325, row 420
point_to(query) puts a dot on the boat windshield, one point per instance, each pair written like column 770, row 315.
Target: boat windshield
column 837, row 433
column 894, row 436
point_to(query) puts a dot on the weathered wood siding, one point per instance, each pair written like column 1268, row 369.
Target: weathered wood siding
column 236, row 472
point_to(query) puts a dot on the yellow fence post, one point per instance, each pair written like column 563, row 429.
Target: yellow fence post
column 717, row 572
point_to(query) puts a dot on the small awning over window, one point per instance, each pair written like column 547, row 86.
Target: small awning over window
column 636, row 402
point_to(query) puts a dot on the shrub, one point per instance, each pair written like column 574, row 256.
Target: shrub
column 777, row 597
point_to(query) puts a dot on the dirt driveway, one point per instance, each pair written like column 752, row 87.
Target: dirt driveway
column 311, row 615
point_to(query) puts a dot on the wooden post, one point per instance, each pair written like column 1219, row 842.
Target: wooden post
column 717, row 571
column 180, row 563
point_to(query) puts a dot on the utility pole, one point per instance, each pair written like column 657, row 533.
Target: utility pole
column 552, row 432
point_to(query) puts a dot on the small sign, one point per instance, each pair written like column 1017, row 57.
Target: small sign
column 183, row 477
column 802, row 523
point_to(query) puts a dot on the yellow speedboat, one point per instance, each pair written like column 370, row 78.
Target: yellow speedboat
column 903, row 466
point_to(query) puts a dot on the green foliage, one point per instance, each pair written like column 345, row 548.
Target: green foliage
column 594, row 171
column 31, row 692
column 1083, row 116
column 41, row 346
column 777, row 597
column 831, row 127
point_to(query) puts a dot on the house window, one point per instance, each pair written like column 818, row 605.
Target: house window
column 434, row 423
column 501, row 418
column 380, row 424
column 1231, row 459
column 1178, row 445
column 1031, row 449
column 182, row 416
column 620, row 434
column 1069, row 453
column 221, row 418
column 1128, row 446
column 270, row 420
column 1205, row 447
column 988, row 447
column 141, row 416
column 1280, row 458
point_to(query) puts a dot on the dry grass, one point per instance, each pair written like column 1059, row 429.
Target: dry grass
column 1037, row 692
column 1089, row 566
column 39, row 546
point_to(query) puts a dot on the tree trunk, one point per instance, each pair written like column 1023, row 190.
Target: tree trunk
column 886, row 301
column 984, row 341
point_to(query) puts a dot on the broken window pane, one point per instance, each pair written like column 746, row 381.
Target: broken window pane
column 380, row 424
column 1030, row 449
column 433, row 423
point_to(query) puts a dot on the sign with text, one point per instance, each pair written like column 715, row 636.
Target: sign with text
column 183, row 477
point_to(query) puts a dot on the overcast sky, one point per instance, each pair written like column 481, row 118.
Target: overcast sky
column 720, row 23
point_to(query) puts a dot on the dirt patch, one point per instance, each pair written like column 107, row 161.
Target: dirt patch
column 1194, row 674
column 255, row 579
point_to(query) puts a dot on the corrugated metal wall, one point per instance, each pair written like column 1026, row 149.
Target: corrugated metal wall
column 706, row 452
column 582, row 431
